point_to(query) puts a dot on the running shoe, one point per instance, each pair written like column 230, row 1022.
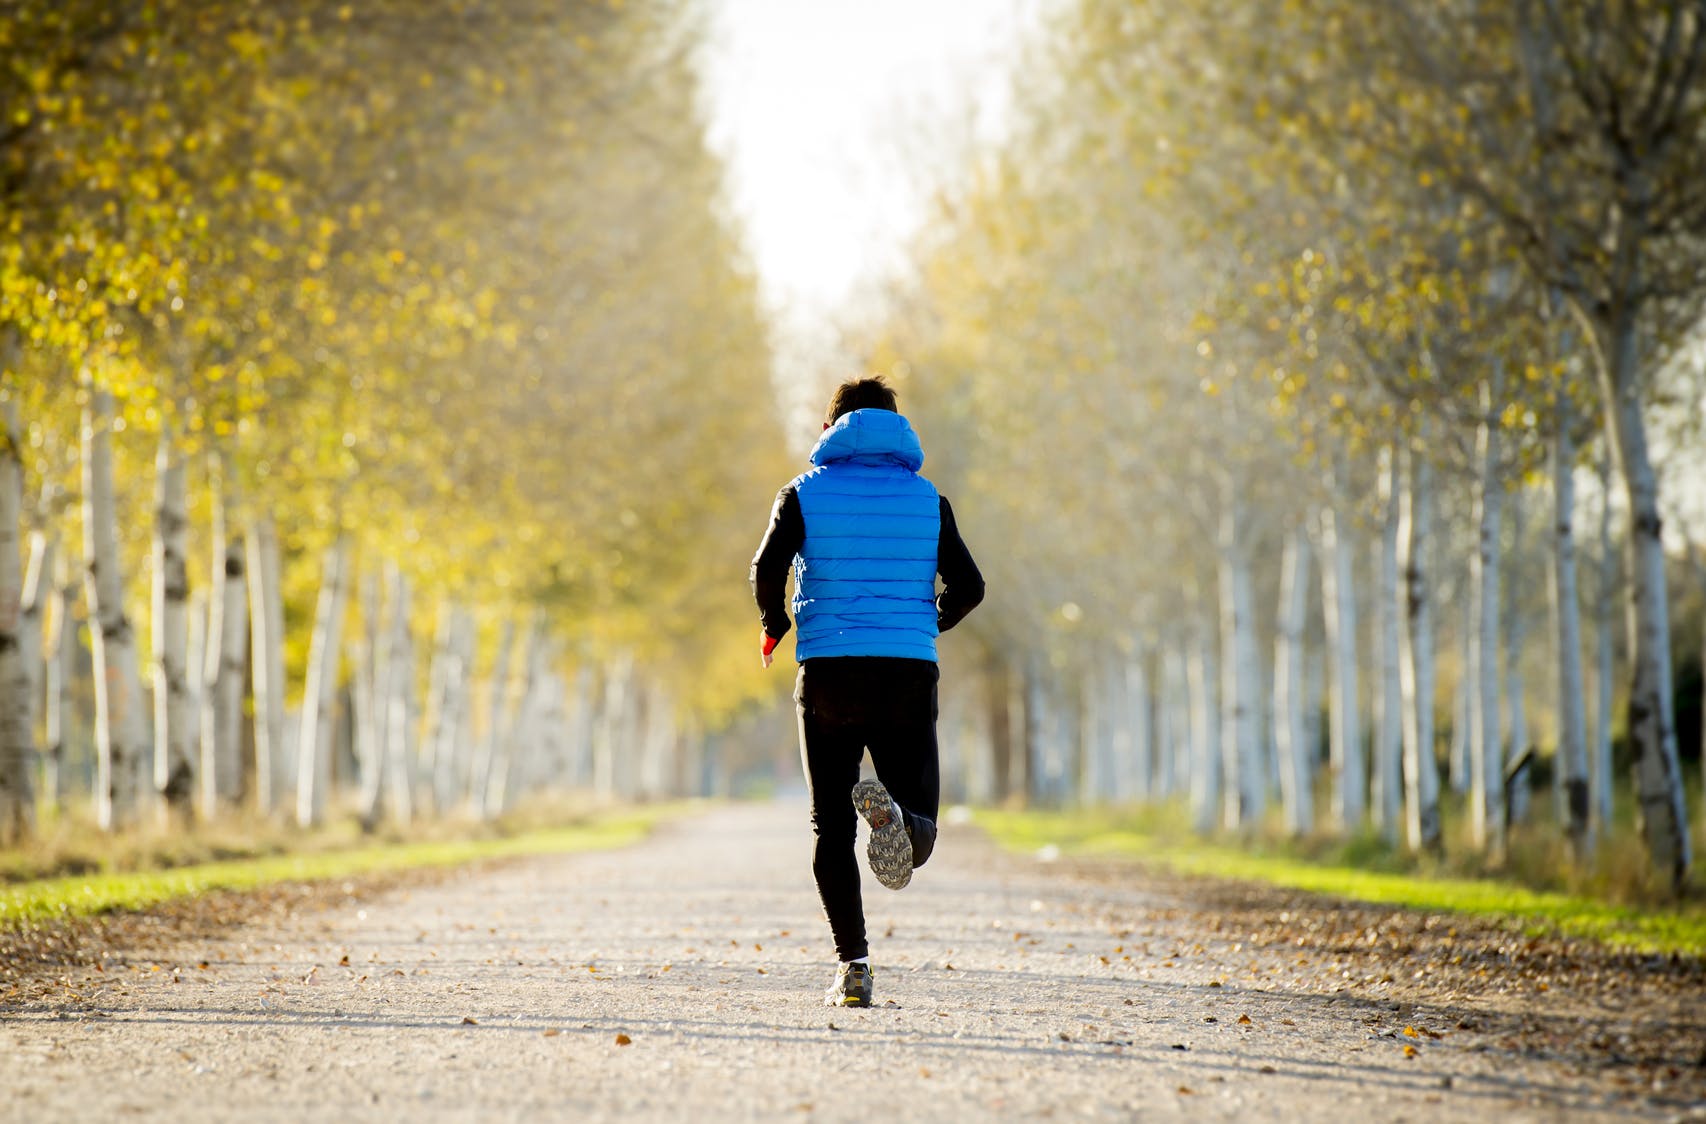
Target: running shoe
column 852, row 987
column 890, row 848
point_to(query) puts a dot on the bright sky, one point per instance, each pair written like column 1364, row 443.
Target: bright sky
column 824, row 109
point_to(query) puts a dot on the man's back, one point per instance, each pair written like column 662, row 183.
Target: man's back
column 865, row 576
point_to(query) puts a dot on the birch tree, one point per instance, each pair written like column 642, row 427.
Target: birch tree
column 1387, row 747
column 1296, row 754
column 175, row 720
column 120, row 742
column 1338, row 598
column 222, row 780
column 314, row 753
column 1416, row 656
column 266, row 657
column 17, row 739
column 1572, row 757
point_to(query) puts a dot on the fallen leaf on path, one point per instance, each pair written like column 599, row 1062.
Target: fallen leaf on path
column 1243, row 1020
column 1187, row 1090
column 551, row 1032
column 1268, row 1069
column 470, row 1020
column 343, row 961
column 624, row 1040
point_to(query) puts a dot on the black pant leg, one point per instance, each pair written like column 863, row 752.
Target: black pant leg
column 831, row 753
column 905, row 756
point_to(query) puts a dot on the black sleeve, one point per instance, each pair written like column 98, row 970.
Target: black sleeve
column 770, row 566
column 962, row 585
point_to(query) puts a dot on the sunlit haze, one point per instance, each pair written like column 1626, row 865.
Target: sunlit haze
column 818, row 107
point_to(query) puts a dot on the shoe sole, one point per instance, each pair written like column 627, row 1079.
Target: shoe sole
column 890, row 850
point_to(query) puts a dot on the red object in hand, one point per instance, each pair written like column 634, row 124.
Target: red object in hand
column 770, row 643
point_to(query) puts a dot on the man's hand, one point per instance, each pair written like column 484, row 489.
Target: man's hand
column 769, row 646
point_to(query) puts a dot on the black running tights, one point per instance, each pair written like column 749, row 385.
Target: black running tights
column 903, row 752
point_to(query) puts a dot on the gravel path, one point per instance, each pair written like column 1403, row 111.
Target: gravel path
column 682, row 979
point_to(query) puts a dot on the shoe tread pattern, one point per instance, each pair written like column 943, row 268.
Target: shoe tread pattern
column 889, row 851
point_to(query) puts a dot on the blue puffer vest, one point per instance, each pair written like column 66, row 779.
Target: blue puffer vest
column 865, row 580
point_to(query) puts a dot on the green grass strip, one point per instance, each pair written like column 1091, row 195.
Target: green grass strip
column 1647, row 929
column 86, row 895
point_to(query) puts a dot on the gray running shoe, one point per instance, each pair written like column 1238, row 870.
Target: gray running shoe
column 852, row 987
column 890, row 850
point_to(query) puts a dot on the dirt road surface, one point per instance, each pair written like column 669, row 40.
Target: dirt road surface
column 682, row 979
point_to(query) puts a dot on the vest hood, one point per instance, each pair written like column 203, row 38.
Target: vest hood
column 873, row 437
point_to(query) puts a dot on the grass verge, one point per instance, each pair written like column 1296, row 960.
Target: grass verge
column 84, row 895
column 1649, row 929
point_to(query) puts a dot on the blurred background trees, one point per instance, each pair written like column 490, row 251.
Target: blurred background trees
column 395, row 361
column 1280, row 353
column 390, row 417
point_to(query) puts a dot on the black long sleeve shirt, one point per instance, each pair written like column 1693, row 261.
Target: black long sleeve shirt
column 962, row 584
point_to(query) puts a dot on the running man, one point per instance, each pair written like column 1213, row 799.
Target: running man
column 865, row 536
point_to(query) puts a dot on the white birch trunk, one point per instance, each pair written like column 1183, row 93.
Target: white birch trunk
column 581, row 732
column 1296, row 774
column 1338, row 599
column 222, row 780
column 1601, row 784
column 1572, row 761
column 1178, row 743
column 438, row 676
column 517, row 718
column 1660, row 800
column 38, row 594
column 58, row 669
column 266, row 657
column 195, row 656
column 450, row 751
column 319, row 695
column 1518, row 772
column 121, row 738
column 399, row 695
column 1486, row 760
column 1416, row 659
column 1388, row 748
column 657, row 743
column 609, row 748
column 1140, row 717
column 17, row 736
column 497, row 690
column 176, row 724
column 1462, row 706
column 368, row 710
column 1243, row 785
column 1205, row 731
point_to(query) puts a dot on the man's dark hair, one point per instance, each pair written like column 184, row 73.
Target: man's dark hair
column 861, row 394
